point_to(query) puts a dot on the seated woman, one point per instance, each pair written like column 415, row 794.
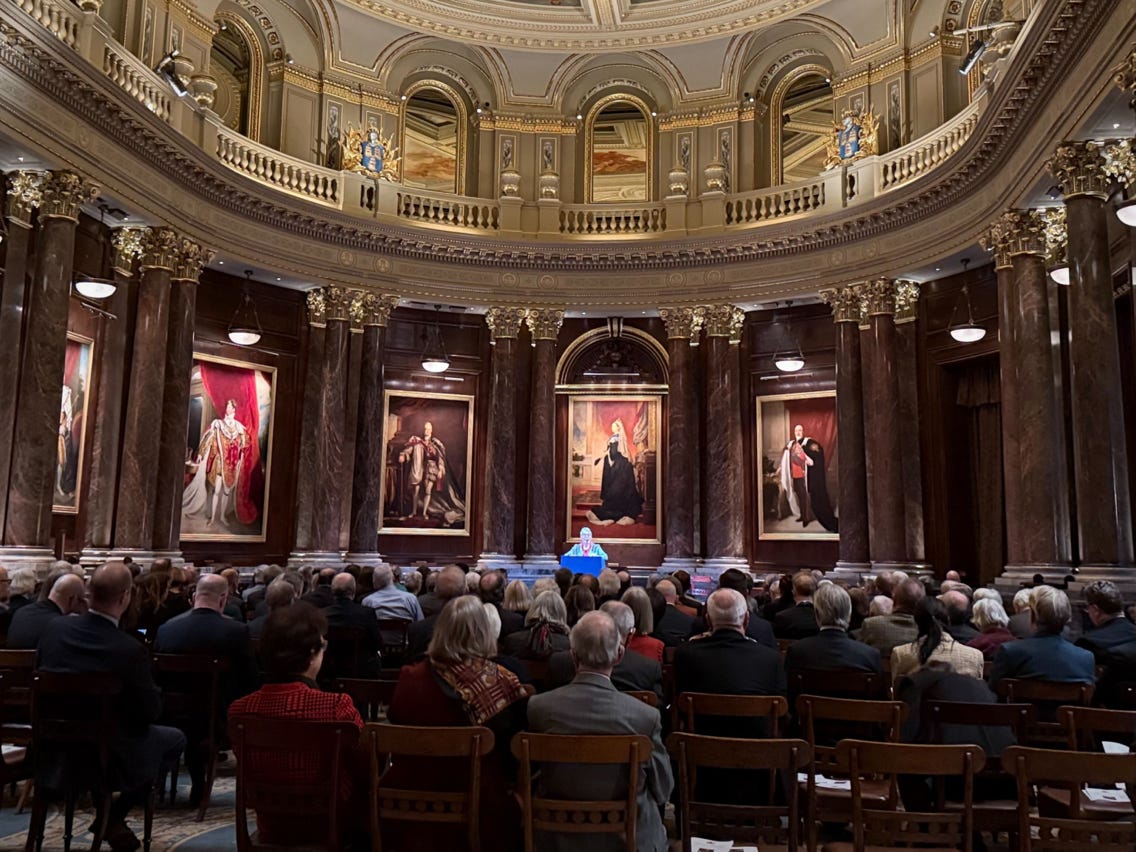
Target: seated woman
column 518, row 598
column 291, row 653
column 934, row 644
column 990, row 618
column 577, row 602
column 546, row 630
column 459, row 684
column 641, row 641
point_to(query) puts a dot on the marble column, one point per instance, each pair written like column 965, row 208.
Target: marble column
column 682, row 325
column 190, row 260
column 373, row 312
column 853, row 505
column 142, row 434
column 1033, row 452
column 309, row 427
column 499, row 506
column 23, row 197
column 1100, row 453
column 106, row 436
column 887, row 538
column 31, row 485
column 907, row 376
column 544, row 326
column 329, row 478
column 725, row 484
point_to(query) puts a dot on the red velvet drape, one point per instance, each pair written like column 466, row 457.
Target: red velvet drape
column 606, row 413
column 71, row 362
column 818, row 417
column 223, row 382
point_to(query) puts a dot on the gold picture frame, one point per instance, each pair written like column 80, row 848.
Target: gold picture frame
column 70, row 456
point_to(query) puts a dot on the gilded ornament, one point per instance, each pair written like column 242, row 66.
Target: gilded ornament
column 372, row 153
column 1081, row 169
column 906, row 301
column 1015, row 232
column 372, row 309
column 1055, row 233
column 854, row 138
column 337, row 303
column 544, row 323
column 504, row 322
column 160, row 248
column 317, row 307
column 682, row 323
column 25, row 192
column 844, row 301
column 63, row 193
column 724, row 321
column 127, row 246
column 191, row 259
column 1125, row 73
column 880, row 295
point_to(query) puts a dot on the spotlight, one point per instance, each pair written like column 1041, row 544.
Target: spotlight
column 402, row 97
column 288, row 58
column 977, row 48
column 579, row 116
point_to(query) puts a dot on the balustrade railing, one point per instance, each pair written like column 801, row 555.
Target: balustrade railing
column 779, row 202
column 59, row 18
column 452, row 211
column 602, row 219
column 265, row 165
column 928, row 152
column 132, row 76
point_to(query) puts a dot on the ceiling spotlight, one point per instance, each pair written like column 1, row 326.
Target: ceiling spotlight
column 653, row 113
column 244, row 329
column 977, row 48
column 402, row 97
column 579, row 116
column 1116, row 125
column 934, row 31
column 288, row 58
column 1054, row 192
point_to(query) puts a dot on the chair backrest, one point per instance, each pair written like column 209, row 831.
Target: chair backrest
column 841, row 683
column 389, row 803
column 1033, row 767
column 783, row 646
column 580, row 816
column 370, row 696
column 289, row 768
column 888, row 825
column 1019, row 718
column 694, row 705
column 644, row 695
column 18, row 667
column 343, row 656
column 191, row 686
column 759, row 823
column 74, row 714
column 1087, row 726
column 1047, row 696
column 824, row 721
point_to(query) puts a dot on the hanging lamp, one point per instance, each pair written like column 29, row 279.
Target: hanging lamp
column 89, row 286
column 244, row 329
column 434, row 358
column 969, row 331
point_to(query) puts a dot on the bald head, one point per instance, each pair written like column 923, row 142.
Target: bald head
column 450, row 583
column 110, row 589
column 956, row 604
column 211, row 592
column 343, row 585
column 69, row 594
column 668, row 590
column 726, row 609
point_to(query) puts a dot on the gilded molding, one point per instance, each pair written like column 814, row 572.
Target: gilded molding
column 127, row 246
column 504, row 322
column 160, row 247
column 528, row 124
column 25, row 192
column 337, row 303
column 1055, row 233
column 62, row 194
column 844, row 301
column 725, row 321
column 372, row 309
column 1015, row 232
column 317, row 308
column 190, row 259
column 906, row 301
column 544, row 323
column 682, row 323
column 1081, row 169
column 1124, row 75
column 880, row 296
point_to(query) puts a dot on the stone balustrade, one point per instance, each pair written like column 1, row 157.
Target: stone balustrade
column 781, row 202
column 928, row 152
column 131, row 75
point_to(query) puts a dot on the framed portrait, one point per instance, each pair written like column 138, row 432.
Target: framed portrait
column 228, row 453
column 427, row 464
column 72, row 424
column 798, row 451
column 614, row 469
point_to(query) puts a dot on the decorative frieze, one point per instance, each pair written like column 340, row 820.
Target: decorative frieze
column 63, row 193
column 845, row 303
column 25, row 192
column 504, row 322
column 725, row 321
column 544, row 323
column 160, row 248
column 127, row 246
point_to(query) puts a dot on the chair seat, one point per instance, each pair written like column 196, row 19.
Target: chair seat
column 1054, row 802
column 14, row 755
column 871, row 791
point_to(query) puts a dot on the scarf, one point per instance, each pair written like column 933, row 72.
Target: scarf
column 540, row 637
column 483, row 687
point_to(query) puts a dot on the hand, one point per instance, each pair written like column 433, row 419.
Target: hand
column 808, row 461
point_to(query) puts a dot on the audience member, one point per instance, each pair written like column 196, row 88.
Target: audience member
column 430, row 603
column 624, row 578
column 492, row 590
column 390, row 603
column 256, row 595
column 642, row 642
column 934, row 646
column 880, row 605
column 577, row 602
column 832, row 648
column 545, row 631
column 93, row 643
column 798, row 621
column 861, row 607
column 412, row 582
column 686, row 603
column 280, row 594
column 986, row 593
column 957, row 605
column 991, row 620
column 588, row 581
column 757, row 628
column 518, row 598
column 472, row 582
column 674, row 626
column 1047, row 655
column 321, row 596
column 21, row 587
column 64, row 593
column 591, row 704
column 608, row 582
column 885, row 632
column 1104, row 607
column 233, row 608
column 1021, row 622
column 563, row 578
column 345, row 612
column 449, row 586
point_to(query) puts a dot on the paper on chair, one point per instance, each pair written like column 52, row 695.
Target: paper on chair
column 825, row 783
column 701, row 844
column 1096, row 794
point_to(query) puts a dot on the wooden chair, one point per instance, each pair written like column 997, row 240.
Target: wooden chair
column 14, row 765
column 644, row 695
column 343, row 657
column 191, row 701
column 759, row 823
column 783, row 646
column 1087, row 727
column 395, row 641
column 1036, row 768
column 289, row 769
column 18, row 667
column 882, row 825
column 370, row 696
column 446, row 807
column 1047, row 696
column 837, row 683
column 538, row 672
column 581, row 816
column 692, row 705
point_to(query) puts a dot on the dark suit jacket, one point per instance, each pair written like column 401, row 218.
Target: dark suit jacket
column 797, row 622
column 963, row 633
column 832, row 649
column 757, row 629
column 674, row 627
column 511, row 621
column 30, row 623
column 15, row 604
column 319, row 597
column 204, row 631
column 1111, row 634
column 345, row 612
column 1043, row 657
column 431, row 604
column 418, row 637
column 635, row 673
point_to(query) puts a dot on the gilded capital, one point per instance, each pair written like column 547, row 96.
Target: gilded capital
column 906, row 301
column 504, row 323
column 372, row 309
column 544, row 323
column 1081, row 168
column 25, row 192
column 1055, row 233
column 880, row 296
column 682, row 323
column 337, row 303
column 844, row 301
column 1015, row 232
column 317, row 307
column 190, row 260
column 127, row 246
column 725, row 321
column 160, row 247
column 1124, row 75
column 63, row 193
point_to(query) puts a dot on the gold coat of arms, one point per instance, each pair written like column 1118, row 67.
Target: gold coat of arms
column 371, row 153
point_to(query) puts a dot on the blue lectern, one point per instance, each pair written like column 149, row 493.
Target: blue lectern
column 583, row 564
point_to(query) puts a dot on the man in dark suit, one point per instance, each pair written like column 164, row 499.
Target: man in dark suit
column 798, row 621
column 449, row 585
column 1105, row 609
column 957, row 605
column 633, row 673
column 674, row 627
column 757, row 628
column 492, row 590
column 832, row 648
column 321, row 596
column 63, row 593
column 344, row 611
column 1047, row 655
column 93, row 643
column 591, row 704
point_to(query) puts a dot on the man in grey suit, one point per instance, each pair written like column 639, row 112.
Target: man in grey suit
column 591, row 704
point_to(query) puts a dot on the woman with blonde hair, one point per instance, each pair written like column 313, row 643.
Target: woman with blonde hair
column 546, row 630
column 641, row 641
column 518, row 598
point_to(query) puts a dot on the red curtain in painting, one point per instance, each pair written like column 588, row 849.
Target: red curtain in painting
column 222, row 383
column 606, row 413
column 818, row 417
column 71, row 362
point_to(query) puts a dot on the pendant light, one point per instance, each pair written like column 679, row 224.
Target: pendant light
column 789, row 360
column 88, row 286
column 969, row 331
column 434, row 358
column 244, row 329
column 1126, row 212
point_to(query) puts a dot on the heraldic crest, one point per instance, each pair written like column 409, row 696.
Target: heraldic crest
column 853, row 138
column 371, row 153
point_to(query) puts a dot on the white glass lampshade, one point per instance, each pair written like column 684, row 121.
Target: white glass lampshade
column 1060, row 273
column 435, row 364
column 1126, row 212
column 789, row 363
column 968, row 332
column 95, row 288
column 244, row 336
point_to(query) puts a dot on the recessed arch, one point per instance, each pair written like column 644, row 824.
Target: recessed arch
column 236, row 26
column 654, row 355
column 629, row 141
column 425, row 142
column 778, row 101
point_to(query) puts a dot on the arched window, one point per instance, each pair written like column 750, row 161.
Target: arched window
column 802, row 120
column 433, row 139
column 620, row 150
column 237, row 64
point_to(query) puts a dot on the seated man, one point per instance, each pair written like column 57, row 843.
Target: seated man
column 93, row 643
column 757, row 628
column 885, row 632
column 1105, row 609
column 798, row 621
column 280, row 594
column 64, row 593
column 1047, row 655
column 591, row 704
column 674, row 626
column 832, row 648
column 345, row 612
column 390, row 602
column 958, row 612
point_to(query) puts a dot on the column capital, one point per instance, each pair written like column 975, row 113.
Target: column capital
column 371, row 308
column 329, row 303
column 189, row 260
column 127, row 246
column 906, row 301
column 63, row 193
column 160, row 248
column 544, row 323
column 682, row 323
column 880, row 296
column 1085, row 168
column 725, row 321
column 844, row 301
column 25, row 192
column 1124, row 75
column 1015, row 232
column 504, row 323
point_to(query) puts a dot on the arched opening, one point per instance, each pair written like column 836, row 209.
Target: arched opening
column 803, row 111
column 619, row 150
column 236, row 63
column 432, row 141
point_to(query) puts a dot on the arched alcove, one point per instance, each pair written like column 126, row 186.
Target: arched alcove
column 434, row 122
column 619, row 151
column 801, row 109
column 236, row 61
